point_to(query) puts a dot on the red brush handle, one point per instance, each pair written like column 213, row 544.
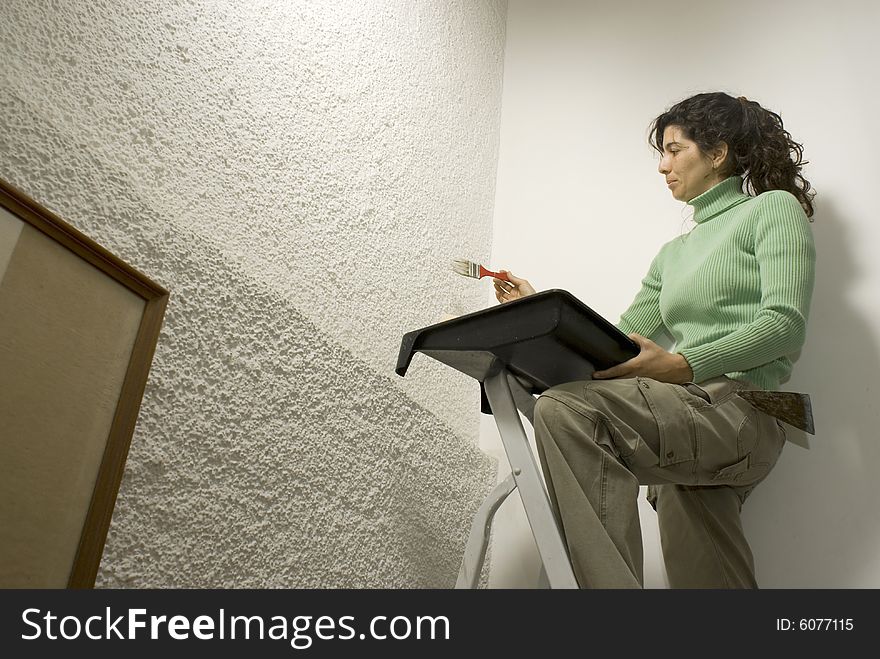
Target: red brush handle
column 489, row 273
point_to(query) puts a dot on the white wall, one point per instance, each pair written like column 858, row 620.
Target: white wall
column 298, row 175
column 580, row 206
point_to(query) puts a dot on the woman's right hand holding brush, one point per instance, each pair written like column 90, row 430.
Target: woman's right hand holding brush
column 516, row 288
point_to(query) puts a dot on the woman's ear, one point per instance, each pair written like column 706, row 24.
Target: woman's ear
column 719, row 155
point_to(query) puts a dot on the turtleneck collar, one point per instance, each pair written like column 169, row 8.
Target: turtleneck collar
column 717, row 199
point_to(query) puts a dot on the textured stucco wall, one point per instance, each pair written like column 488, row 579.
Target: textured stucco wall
column 298, row 174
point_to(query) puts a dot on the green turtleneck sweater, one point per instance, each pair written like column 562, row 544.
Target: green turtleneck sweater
column 735, row 291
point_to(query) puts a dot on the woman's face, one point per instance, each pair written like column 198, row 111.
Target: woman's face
column 688, row 171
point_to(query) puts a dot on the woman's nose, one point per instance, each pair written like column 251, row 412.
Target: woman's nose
column 663, row 167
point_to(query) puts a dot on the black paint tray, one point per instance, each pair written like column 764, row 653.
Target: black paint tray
column 546, row 339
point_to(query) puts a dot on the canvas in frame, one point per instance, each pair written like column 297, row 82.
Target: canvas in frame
column 78, row 329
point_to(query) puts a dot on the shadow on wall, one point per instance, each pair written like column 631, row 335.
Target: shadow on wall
column 814, row 522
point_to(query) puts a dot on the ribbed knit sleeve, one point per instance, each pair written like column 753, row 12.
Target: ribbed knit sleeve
column 784, row 250
column 643, row 315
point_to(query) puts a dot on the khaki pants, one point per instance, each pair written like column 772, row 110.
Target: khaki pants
column 701, row 449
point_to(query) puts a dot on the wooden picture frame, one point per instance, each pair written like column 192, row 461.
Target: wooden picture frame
column 78, row 330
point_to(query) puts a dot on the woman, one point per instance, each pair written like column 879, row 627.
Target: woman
column 734, row 293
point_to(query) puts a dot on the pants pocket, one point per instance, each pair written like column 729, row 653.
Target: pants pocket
column 759, row 444
column 675, row 424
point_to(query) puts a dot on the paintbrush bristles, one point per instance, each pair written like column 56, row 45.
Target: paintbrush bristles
column 466, row 268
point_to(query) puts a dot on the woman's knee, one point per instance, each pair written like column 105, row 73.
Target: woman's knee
column 563, row 409
column 546, row 408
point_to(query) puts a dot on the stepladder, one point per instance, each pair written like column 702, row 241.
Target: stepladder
column 508, row 398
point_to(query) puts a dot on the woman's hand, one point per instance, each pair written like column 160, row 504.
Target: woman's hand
column 505, row 291
column 651, row 362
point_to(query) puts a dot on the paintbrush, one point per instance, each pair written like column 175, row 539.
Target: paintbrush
column 476, row 270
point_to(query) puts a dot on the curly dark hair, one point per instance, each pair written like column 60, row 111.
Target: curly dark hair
column 758, row 147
